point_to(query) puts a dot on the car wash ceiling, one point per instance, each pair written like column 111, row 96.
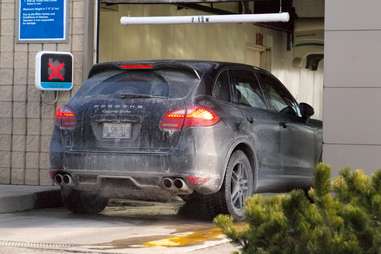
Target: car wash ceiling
column 304, row 33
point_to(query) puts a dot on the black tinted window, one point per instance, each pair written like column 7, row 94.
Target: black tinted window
column 246, row 89
column 221, row 87
column 277, row 95
column 162, row 83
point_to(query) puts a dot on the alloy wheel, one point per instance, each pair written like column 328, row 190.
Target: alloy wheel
column 239, row 186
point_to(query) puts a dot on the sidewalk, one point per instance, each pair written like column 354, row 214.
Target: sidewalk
column 15, row 198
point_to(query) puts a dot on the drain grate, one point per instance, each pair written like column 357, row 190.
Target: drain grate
column 36, row 245
column 66, row 247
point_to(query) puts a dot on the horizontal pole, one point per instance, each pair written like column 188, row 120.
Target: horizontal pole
column 236, row 18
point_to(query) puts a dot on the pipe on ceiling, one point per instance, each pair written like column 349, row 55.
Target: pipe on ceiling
column 211, row 19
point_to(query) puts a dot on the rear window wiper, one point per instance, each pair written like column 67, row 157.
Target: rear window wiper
column 133, row 95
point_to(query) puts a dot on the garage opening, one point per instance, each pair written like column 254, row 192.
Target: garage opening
column 292, row 51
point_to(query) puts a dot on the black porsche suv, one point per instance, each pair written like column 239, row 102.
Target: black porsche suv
column 208, row 131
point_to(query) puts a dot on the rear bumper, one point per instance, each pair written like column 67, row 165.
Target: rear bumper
column 141, row 175
column 118, row 174
column 110, row 161
column 138, row 185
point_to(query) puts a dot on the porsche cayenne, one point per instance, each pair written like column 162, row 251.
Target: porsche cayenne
column 209, row 132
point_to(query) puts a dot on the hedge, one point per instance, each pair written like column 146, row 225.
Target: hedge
column 337, row 216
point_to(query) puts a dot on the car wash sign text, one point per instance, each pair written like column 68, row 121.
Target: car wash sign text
column 42, row 20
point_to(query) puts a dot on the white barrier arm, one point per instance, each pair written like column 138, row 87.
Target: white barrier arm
column 236, row 18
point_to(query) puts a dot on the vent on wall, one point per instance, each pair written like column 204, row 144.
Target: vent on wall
column 313, row 60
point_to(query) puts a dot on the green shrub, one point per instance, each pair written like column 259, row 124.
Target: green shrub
column 344, row 217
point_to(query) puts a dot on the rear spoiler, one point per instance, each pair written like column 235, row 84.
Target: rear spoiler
column 99, row 68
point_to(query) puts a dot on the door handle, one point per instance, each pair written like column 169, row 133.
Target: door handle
column 250, row 119
column 283, row 124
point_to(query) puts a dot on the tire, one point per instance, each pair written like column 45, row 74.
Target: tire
column 81, row 202
column 225, row 201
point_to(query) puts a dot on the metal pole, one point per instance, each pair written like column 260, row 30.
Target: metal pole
column 98, row 29
column 238, row 18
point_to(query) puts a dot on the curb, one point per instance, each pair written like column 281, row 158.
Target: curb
column 29, row 199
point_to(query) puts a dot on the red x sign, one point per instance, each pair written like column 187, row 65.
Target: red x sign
column 56, row 72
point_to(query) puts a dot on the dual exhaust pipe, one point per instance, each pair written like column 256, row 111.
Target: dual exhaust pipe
column 176, row 184
column 63, row 179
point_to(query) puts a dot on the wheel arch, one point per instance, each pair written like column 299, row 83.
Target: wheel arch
column 249, row 152
column 248, row 149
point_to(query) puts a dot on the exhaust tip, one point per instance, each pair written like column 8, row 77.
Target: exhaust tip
column 67, row 179
column 179, row 183
column 167, row 182
column 58, row 178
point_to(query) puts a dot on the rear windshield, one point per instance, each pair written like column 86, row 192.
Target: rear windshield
column 155, row 83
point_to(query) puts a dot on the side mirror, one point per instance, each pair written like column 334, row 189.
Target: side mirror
column 306, row 110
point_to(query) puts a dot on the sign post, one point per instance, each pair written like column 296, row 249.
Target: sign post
column 54, row 71
column 42, row 20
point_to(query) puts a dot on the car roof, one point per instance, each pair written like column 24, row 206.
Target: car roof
column 201, row 66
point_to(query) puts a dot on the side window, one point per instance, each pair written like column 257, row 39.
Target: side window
column 277, row 95
column 246, row 89
column 221, row 87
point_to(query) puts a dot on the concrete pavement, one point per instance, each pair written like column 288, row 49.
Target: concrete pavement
column 15, row 198
column 225, row 248
column 131, row 227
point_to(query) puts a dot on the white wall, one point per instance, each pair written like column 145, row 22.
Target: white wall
column 223, row 42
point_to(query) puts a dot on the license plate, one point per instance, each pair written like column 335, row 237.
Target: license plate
column 117, row 130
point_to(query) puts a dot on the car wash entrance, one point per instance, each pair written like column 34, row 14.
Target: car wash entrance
column 271, row 46
column 223, row 42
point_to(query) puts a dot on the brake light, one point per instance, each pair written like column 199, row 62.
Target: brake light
column 65, row 118
column 196, row 116
column 136, row 66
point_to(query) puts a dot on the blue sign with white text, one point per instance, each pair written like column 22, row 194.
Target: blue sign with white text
column 42, row 20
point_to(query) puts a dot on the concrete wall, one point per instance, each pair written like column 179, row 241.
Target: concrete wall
column 224, row 42
column 352, row 86
column 26, row 114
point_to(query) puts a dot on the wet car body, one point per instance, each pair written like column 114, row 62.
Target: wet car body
column 281, row 146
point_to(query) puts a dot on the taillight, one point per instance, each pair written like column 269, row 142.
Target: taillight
column 65, row 118
column 196, row 116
